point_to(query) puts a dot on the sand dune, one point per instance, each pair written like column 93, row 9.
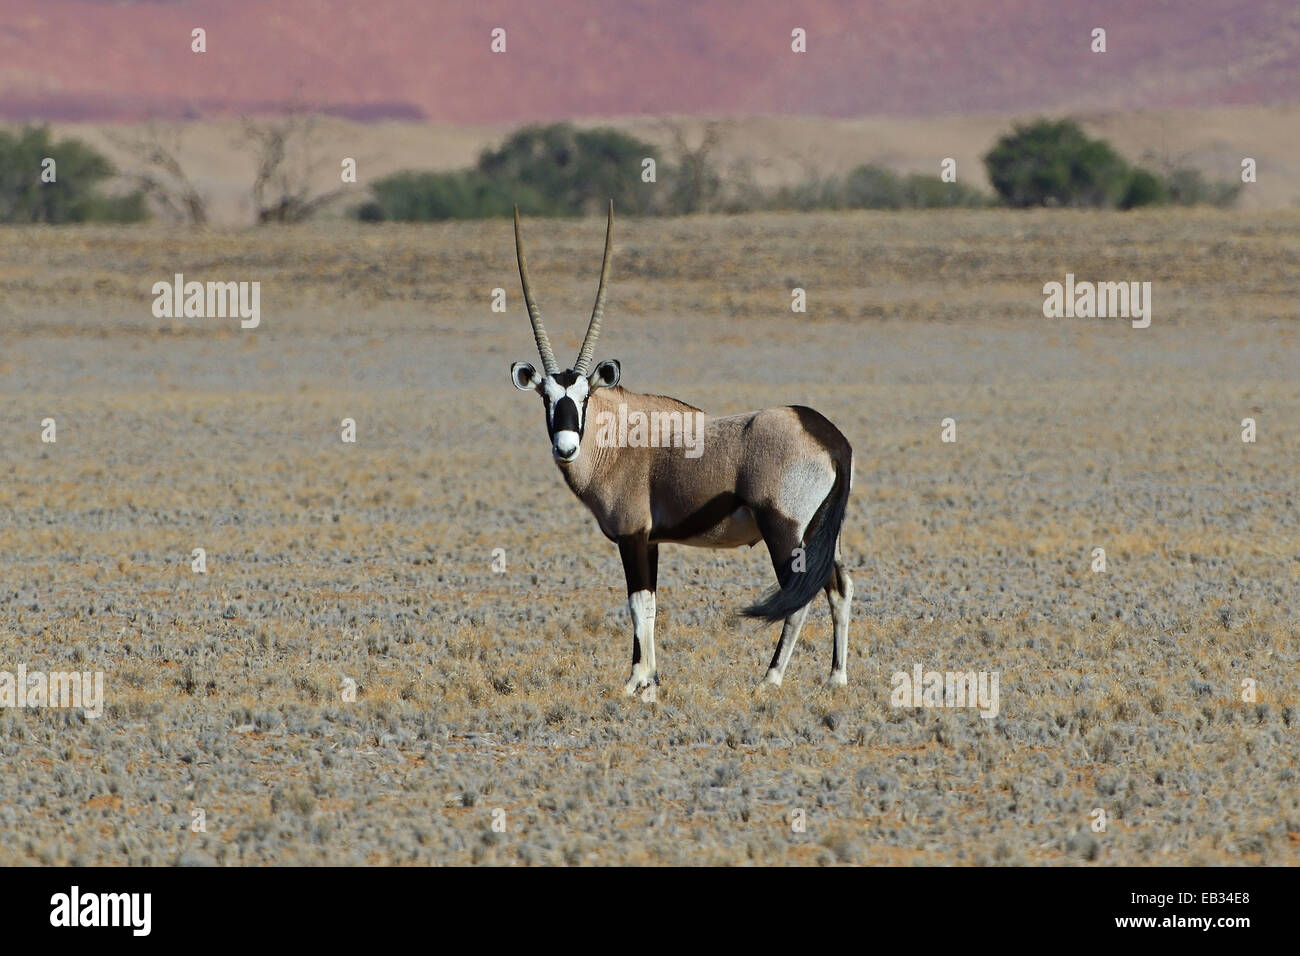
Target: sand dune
column 777, row 149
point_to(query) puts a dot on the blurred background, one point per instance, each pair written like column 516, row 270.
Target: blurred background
column 440, row 125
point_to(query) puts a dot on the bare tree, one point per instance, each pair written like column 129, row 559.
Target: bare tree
column 162, row 177
column 698, row 184
column 284, row 149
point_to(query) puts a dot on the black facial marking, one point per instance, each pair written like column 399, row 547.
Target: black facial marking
column 565, row 418
column 565, row 379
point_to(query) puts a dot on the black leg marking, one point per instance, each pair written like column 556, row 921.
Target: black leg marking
column 782, row 536
column 635, row 550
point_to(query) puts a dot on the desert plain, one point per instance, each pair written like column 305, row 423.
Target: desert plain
column 440, row 568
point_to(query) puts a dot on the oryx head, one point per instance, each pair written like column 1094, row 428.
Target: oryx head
column 565, row 393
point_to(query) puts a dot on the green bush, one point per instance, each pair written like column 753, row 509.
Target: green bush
column 126, row 207
column 1144, row 188
column 872, row 187
column 554, row 170
column 558, row 170
column 875, row 187
column 695, row 186
column 814, row 192
column 74, row 196
column 462, row 194
column 1054, row 163
column 575, row 171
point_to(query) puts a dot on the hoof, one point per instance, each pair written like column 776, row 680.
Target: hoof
column 639, row 682
column 773, row 679
column 838, row 679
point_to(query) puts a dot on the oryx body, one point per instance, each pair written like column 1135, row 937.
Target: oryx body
column 780, row 475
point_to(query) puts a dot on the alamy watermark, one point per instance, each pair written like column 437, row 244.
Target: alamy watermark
column 130, row 910
column 1100, row 300
column 57, row 689
column 922, row 688
column 212, row 300
column 655, row 429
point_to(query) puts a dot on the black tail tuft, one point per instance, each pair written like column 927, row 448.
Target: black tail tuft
column 798, row 588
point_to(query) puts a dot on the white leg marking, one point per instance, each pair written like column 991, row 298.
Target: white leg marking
column 785, row 646
column 641, row 604
column 841, row 603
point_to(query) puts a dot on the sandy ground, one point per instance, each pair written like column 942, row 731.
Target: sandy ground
column 772, row 149
column 495, row 697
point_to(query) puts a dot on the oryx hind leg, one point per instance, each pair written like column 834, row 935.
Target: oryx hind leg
column 839, row 592
column 785, row 646
column 783, row 535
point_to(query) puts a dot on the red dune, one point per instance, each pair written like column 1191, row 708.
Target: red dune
column 406, row 59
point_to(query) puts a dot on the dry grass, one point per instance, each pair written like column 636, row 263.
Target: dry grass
column 480, row 691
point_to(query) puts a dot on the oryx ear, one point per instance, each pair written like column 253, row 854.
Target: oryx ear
column 525, row 376
column 605, row 375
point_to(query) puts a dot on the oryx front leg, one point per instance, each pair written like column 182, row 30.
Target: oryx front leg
column 640, row 564
column 641, row 604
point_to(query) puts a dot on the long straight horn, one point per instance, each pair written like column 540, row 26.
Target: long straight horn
column 593, row 328
column 534, row 314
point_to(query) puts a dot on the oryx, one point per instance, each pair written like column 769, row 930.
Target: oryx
column 781, row 475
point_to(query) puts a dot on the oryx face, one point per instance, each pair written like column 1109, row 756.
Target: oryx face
column 565, row 392
column 565, row 396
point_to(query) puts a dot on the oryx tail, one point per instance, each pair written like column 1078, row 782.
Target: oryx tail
column 821, row 542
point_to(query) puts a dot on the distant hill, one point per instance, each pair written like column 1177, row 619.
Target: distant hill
column 415, row 59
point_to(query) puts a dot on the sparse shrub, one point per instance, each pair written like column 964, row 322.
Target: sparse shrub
column 503, row 684
column 1144, row 188
column 814, row 192
column 872, row 187
column 295, row 798
column 1084, row 845
column 593, row 621
column 1187, row 187
column 561, row 713
column 845, row 848
column 695, row 183
column 476, row 691
column 160, row 174
column 462, row 194
column 286, row 160
column 75, row 194
column 922, row 191
column 740, row 190
column 559, row 170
